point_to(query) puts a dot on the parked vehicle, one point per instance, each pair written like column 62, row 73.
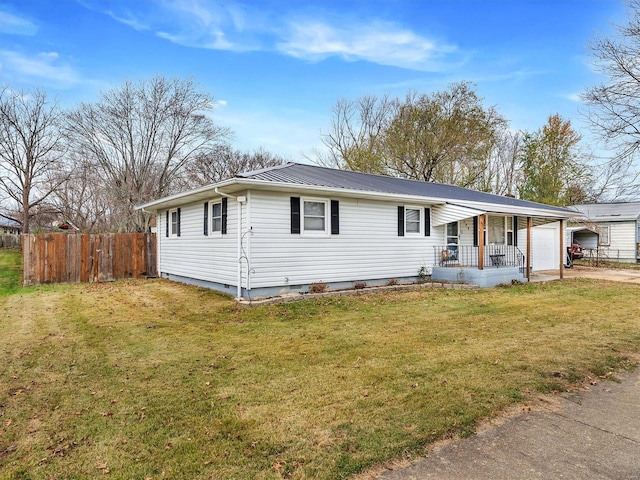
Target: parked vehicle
column 575, row 251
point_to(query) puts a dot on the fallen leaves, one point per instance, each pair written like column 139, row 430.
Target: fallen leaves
column 103, row 467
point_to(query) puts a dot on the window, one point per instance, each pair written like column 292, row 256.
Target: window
column 412, row 220
column 218, row 222
column 509, row 230
column 495, row 230
column 173, row 223
column 604, row 235
column 500, row 230
column 452, row 233
column 314, row 214
column 216, row 217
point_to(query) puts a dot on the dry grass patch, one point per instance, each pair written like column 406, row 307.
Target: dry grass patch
column 152, row 379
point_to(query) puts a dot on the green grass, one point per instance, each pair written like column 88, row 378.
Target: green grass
column 10, row 271
column 152, row 379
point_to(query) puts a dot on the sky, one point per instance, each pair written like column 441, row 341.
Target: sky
column 275, row 68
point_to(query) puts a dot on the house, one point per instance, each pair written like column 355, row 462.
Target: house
column 285, row 228
column 612, row 228
column 9, row 227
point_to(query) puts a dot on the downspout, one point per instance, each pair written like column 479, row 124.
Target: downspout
column 240, row 200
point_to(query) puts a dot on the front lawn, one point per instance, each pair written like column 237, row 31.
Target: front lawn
column 153, row 379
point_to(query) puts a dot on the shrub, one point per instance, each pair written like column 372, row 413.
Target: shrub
column 360, row 285
column 317, row 287
column 423, row 275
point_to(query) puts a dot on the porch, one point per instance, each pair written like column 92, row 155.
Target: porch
column 485, row 266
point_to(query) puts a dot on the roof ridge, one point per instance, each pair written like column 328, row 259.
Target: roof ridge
column 267, row 169
column 606, row 203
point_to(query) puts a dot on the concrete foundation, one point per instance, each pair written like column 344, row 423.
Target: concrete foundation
column 489, row 277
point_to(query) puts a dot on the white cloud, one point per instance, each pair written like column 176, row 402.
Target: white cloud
column 574, row 97
column 12, row 24
column 213, row 40
column 190, row 23
column 237, row 27
column 376, row 42
column 221, row 103
column 43, row 66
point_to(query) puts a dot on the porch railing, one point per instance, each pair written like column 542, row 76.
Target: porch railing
column 495, row 256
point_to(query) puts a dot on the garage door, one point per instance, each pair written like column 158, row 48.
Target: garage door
column 545, row 247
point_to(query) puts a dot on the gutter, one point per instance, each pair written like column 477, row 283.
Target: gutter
column 240, row 200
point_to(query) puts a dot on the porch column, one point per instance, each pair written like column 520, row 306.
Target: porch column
column 561, row 249
column 481, row 242
column 528, row 262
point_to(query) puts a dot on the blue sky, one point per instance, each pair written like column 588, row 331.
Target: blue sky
column 276, row 68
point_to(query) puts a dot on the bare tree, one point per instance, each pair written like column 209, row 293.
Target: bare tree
column 31, row 149
column 141, row 135
column 614, row 105
column 355, row 137
column 225, row 162
column 502, row 174
column 446, row 136
column 85, row 200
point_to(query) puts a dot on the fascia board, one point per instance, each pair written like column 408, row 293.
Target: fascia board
column 183, row 197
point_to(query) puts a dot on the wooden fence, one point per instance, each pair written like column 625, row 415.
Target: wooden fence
column 81, row 257
column 9, row 241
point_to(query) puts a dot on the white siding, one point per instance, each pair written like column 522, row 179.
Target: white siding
column 368, row 246
column 622, row 236
column 465, row 231
column 212, row 258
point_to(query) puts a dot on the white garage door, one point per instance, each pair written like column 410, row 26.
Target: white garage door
column 545, row 249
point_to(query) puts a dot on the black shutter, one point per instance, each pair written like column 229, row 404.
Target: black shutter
column 427, row 222
column 178, row 222
column 224, row 216
column 295, row 214
column 475, row 231
column 206, row 218
column 167, row 224
column 335, row 217
column 515, row 231
column 401, row 221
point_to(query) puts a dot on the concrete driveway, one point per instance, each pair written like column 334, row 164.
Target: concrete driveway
column 614, row 275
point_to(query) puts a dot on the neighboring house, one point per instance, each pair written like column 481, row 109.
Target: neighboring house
column 615, row 229
column 285, row 228
column 9, row 227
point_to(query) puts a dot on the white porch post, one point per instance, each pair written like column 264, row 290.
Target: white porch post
column 528, row 248
column 561, row 249
column 481, row 242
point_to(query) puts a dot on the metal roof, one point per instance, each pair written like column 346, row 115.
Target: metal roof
column 299, row 174
column 321, row 180
column 609, row 212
